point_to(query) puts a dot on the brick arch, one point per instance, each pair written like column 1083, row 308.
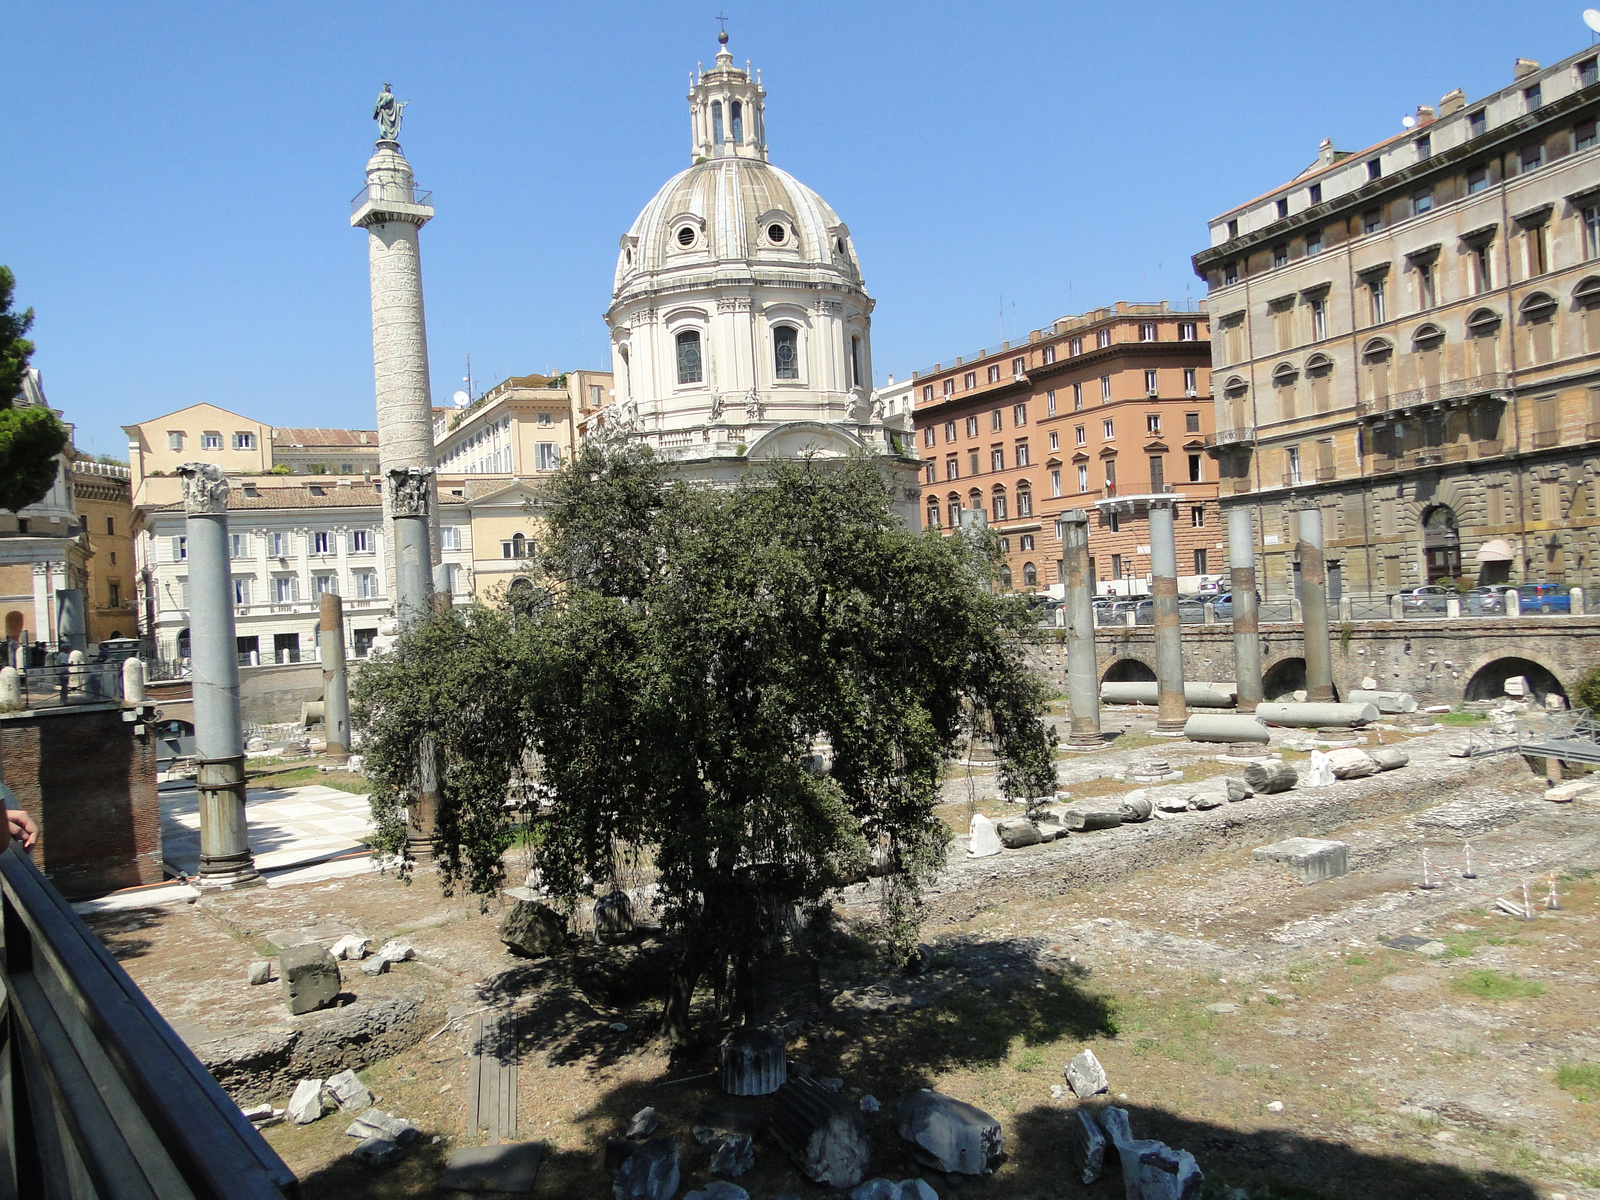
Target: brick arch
column 1524, row 652
column 1126, row 668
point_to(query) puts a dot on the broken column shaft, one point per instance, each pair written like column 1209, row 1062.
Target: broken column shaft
column 335, row 684
column 1171, row 711
column 1246, row 620
column 1083, row 673
column 225, row 858
column 1314, row 608
column 409, row 490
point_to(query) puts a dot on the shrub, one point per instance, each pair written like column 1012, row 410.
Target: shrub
column 1587, row 693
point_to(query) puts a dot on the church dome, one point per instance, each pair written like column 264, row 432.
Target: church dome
column 736, row 211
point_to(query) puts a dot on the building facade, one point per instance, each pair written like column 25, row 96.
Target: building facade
column 1105, row 412
column 1408, row 338
column 102, row 496
column 741, row 328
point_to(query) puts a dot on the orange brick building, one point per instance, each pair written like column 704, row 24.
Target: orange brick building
column 1102, row 412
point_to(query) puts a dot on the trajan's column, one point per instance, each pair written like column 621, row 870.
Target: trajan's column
column 391, row 210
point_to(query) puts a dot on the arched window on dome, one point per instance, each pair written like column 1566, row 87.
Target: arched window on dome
column 855, row 362
column 689, row 356
column 737, row 113
column 716, row 122
column 785, row 352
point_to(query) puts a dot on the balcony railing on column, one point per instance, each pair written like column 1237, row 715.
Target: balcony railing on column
column 98, row 1097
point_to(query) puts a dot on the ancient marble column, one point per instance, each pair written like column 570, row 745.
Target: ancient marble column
column 225, row 858
column 1314, row 608
column 335, row 683
column 1246, row 619
column 1083, row 674
column 407, row 498
column 1171, row 709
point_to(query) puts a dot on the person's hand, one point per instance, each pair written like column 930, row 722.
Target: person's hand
column 22, row 827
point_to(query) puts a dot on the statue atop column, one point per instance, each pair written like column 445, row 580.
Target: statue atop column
column 387, row 113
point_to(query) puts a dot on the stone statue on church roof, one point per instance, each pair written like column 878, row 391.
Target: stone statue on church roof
column 387, row 113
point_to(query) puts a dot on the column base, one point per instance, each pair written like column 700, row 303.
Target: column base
column 1320, row 695
column 228, row 871
column 1168, row 729
column 1086, row 741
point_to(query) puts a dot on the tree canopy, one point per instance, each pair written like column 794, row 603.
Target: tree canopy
column 756, row 689
column 30, row 436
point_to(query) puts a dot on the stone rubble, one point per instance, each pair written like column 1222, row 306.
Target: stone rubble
column 649, row 1173
column 260, row 971
column 645, row 1122
column 348, row 1092
column 949, row 1134
column 1086, row 1077
column 305, row 1103
column 533, row 930
column 351, row 947
column 824, row 1134
column 754, row 1062
column 983, row 840
column 310, row 978
column 883, row 1189
column 1087, row 1143
column 374, row 1122
column 1151, row 1170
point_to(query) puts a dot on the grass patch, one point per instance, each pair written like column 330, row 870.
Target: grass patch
column 1030, row 1059
column 1491, row 985
column 344, row 781
column 1581, row 1079
column 1355, row 960
column 1461, row 718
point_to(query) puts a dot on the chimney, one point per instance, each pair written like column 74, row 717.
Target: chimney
column 1452, row 102
column 1523, row 67
column 1324, row 152
column 1424, row 113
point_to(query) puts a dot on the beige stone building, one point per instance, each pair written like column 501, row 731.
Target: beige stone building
column 102, row 496
column 1408, row 337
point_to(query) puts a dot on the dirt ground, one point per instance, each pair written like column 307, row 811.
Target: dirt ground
column 1260, row 1023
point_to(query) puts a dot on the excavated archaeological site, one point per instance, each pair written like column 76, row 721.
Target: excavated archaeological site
column 1301, row 1024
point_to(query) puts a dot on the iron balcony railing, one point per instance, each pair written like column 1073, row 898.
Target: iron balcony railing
column 1433, row 393
column 78, row 683
column 390, row 193
column 102, row 1100
column 1226, row 437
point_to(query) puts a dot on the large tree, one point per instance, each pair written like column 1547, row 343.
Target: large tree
column 30, row 436
column 669, row 685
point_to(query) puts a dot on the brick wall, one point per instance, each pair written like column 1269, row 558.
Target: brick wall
column 90, row 785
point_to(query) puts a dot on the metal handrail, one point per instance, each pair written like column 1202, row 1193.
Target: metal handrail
column 1450, row 389
column 390, row 193
column 104, row 1099
column 1224, row 437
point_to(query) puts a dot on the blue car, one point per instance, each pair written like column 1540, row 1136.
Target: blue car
column 1544, row 597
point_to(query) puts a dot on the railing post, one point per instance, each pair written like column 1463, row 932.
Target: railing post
column 1513, row 602
column 1578, row 602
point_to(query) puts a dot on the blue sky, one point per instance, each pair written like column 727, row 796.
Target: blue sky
column 179, row 174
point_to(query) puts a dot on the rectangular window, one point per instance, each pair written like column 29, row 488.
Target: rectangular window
column 545, row 420
column 1105, row 388
column 972, row 462
column 999, row 510
column 1280, row 254
column 1283, row 326
column 1195, row 469
column 1314, row 194
column 1374, row 169
column 360, row 541
column 1022, row 454
column 174, row 439
column 1077, row 397
column 1483, row 267
column 1583, row 136
column 1019, row 366
column 1019, row 414
column 1197, row 516
column 366, row 583
column 949, row 387
column 1230, row 274
column 1152, row 422
column 1427, row 295
column 1050, row 403
column 1313, row 241
column 211, row 441
column 1102, row 339
column 596, row 392
column 994, row 374
column 1588, row 72
column 1083, row 477
column 949, row 431
column 1055, row 440
column 1200, row 562
column 1372, row 220
column 951, row 471
column 450, row 537
column 1147, row 332
column 1319, row 320
column 321, row 542
column 1283, row 207
column 286, row 647
column 278, row 545
column 1375, row 302
column 1424, row 146
column 1150, row 383
column 1190, row 387
column 1116, row 559
column 1532, row 157
column 1188, row 331
column 1538, row 250
column 997, row 459
column 1108, row 428
column 972, row 426
column 1533, row 96
column 241, row 592
column 1055, row 483
column 997, row 420
column 1191, row 422
column 1158, row 478
column 1049, row 355
column 546, row 456
column 931, row 470
column 1291, row 463
column 244, row 441
column 1477, row 123
column 1079, row 435
column 362, row 640
column 928, row 436
column 326, row 582
column 285, row 589
column 1233, row 229
column 180, row 548
column 238, row 545
column 969, row 380
column 1075, row 346
column 1477, row 179
column 927, row 393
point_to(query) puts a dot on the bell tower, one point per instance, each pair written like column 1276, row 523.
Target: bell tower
column 727, row 111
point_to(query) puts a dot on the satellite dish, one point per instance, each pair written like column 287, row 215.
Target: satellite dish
column 1407, row 122
column 1591, row 18
column 461, row 399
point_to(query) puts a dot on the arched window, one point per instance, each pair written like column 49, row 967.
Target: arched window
column 1375, row 357
column 1538, row 314
column 1005, row 577
column 519, row 546
column 855, row 362
column 1024, row 499
column 998, row 503
column 955, row 512
column 1428, row 345
column 737, row 112
column 1030, row 575
column 716, row 121
column 183, row 643
column 933, row 513
column 1586, row 298
column 689, row 356
column 1483, row 327
column 1441, row 543
column 627, row 388
column 1319, row 370
column 786, row 352
column 1284, row 378
column 975, row 500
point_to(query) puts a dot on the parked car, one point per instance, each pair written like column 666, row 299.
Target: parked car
column 1428, row 598
column 1222, row 605
column 1487, row 600
column 1544, row 597
column 1190, row 612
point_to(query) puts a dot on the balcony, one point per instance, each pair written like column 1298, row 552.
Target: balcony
column 1293, row 479
column 1324, row 474
column 1229, row 437
column 102, row 1098
column 1543, row 439
column 1383, row 465
column 1240, row 486
column 1434, row 393
column 378, row 201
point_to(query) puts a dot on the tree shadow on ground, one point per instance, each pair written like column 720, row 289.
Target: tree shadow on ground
column 886, row 1038
column 118, row 930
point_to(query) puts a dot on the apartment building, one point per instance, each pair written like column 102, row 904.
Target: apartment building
column 1106, row 412
column 1408, row 338
column 102, row 497
column 524, row 426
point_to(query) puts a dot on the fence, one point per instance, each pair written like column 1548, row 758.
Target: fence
column 102, row 1098
column 83, row 683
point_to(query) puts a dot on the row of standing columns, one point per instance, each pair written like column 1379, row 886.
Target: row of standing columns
column 1083, row 676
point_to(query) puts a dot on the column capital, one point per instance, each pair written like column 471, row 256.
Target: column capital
column 205, row 489
column 409, row 488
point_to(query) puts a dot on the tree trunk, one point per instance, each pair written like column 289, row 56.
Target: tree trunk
column 675, row 1018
